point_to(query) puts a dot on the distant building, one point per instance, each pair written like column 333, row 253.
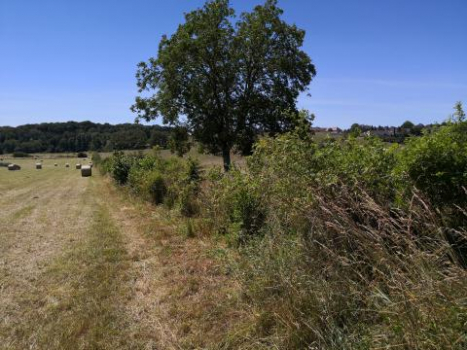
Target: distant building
column 318, row 129
column 334, row 130
column 390, row 131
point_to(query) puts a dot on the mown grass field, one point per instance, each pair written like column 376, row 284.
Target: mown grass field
column 83, row 265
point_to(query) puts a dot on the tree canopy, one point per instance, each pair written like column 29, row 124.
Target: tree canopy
column 231, row 78
column 80, row 136
column 408, row 125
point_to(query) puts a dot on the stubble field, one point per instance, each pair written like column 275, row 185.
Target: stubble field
column 83, row 265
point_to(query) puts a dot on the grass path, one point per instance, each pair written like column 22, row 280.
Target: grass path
column 64, row 263
column 83, row 266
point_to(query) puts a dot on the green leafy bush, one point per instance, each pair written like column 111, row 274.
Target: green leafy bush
column 182, row 185
column 156, row 187
column 342, row 244
column 437, row 163
column 345, row 241
column 119, row 167
column 173, row 182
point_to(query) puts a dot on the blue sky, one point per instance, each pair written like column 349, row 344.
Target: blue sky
column 379, row 62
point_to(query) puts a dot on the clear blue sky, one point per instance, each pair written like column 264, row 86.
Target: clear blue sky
column 378, row 62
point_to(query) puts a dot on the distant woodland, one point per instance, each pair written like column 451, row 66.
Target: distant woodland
column 80, row 136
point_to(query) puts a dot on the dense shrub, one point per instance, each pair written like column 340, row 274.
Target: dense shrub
column 437, row 163
column 343, row 244
column 157, row 188
column 119, row 167
column 182, row 185
column 233, row 205
column 173, row 182
column 351, row 254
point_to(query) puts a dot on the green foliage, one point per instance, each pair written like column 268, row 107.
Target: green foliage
column 173, row 182
column 156, row 187
column 179, row 141
column 248, row 213
column 343, row 236
column 119, row 166
column 342, row 244
column 408, row 125
column 355, row 130
column 183, row 185
column 80, row 137
column 231, row 80
column 232, row 202
column 459, row 112
column 437, row 163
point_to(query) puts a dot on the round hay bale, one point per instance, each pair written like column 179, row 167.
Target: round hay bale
column 38, row 165
column 14, row 167
column 86, row 171
column 78, row 166
column 55, row 164
column 67, row 165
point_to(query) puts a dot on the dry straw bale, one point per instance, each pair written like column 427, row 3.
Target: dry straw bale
column 38, row 165
column 86, row 170
column 78, row 166
column 67, row 165
column 14, row 167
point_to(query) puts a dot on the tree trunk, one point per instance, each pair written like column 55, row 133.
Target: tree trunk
column 226, row 157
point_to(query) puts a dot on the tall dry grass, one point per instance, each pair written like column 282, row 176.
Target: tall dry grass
column 349, row 273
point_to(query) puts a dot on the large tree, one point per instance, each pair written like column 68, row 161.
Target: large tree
column 231, row 79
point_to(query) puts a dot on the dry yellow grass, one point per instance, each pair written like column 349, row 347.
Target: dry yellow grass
column 85, row 266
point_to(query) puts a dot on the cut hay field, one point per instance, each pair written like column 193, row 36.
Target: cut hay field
column 83, row 265
column 60, row 255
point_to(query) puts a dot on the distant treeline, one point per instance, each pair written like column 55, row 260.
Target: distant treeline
column 391, row 133
column 80, row 136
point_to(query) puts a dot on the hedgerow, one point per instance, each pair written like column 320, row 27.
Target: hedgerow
column 343, row 244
